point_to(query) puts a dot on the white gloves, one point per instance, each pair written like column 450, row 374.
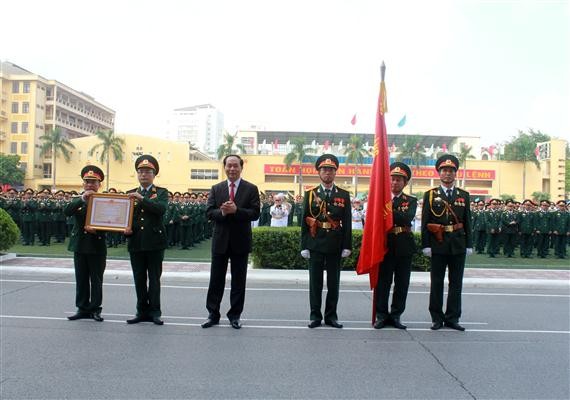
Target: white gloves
column 427, row 251
column 469, row 251
column 345, row 253
column 306, row 254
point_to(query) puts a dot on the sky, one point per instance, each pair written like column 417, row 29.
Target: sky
column 469, row 68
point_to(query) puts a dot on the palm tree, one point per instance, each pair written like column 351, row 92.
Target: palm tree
column 355, row 152
column 411, row 149
column 55, row 143
column 109, row 143
column 462, row 156
column 228, row 147
column 522, row 148
column 297, row 154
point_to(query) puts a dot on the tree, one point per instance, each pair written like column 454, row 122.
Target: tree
column 522, row 148
column 538, row 196
column 228, row 147
column 10, row 172
column 355, row 153
column 55, row 143
column 506, row 197
column 462, row 156
column 297, row 154
column 412, row 150
column 109, row 143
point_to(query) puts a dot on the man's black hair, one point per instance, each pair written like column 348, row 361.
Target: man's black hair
column 233, row 155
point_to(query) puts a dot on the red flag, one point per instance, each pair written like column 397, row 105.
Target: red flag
column 353, row 120
column 379, row 211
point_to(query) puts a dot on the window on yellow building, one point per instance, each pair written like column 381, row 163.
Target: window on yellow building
column 15, row 87
column 15, row 108
column 24, row 127
column 14, row 127
column 24, row 147
column 14, row 147
column 25, row 107
column 26, row 87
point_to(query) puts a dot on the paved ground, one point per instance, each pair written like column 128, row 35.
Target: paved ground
column 516, row 346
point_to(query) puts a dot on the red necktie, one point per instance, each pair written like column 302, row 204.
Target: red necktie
column 232, row 192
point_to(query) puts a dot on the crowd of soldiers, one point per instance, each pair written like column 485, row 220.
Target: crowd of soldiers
column 533, row 228
column 41, row 220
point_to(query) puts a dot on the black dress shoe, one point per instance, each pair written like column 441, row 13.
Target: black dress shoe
column 209, row 323
column 314, row 323
column 80, row 315
column 455, row 325
column 235, row 324
column 137, row 319
column 397, row 324
column 97, row 317
column 379, row 324
column 436, row 326
column 334, row 323
column 157, row 321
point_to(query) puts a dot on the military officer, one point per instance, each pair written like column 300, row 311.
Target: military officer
column 44, row 217
column 28, row 217
column 397, row 263
column 89, row 250
column 479, row 227
column 58, row 216
column 542, row 223
column 493, row 224
column 326, row 237
column 446, row 238
column 147, row 240
column 560, row 228
column 12, row 205
column 526, row 228
column 509, row 228
column 185, row 214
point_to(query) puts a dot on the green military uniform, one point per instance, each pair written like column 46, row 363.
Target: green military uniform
column 542, row 224
column 147, row 243
column 330, row 233
column 526, row 231
column 45, row 207
column 446, row 231
column 89, row 254
column 560, row 230
column 185, row 214
column 479, row 230
column 171, row 219
column 509, row 229
column 397, row 263
column 493, row 225
column 28, row 217
column 59, row 218
column 12, row 206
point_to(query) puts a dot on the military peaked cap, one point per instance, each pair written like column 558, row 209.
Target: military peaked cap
column 447, row 160
column 327, row 160
column 400, row 169
column 92, row 172
column 147, row 161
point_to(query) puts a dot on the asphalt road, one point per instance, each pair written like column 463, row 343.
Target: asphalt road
column 516, row 346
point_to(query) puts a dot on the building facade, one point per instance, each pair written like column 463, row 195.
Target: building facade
column 184, row 170
column 201, row 125
column 31, row 106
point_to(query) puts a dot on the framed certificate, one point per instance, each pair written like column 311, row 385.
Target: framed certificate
column 109, row 212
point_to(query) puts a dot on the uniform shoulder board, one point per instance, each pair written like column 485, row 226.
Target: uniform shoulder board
column 341, row 190
column 311, row 189
column 131, row 191
column 459, row 190
column 409, row 196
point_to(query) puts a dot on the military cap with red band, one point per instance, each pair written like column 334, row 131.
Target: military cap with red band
column 147, row 161
column 447, row 160
column 327, row 160
column 400, row 169
column 92, row 172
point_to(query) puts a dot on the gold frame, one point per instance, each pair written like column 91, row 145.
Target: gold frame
column 106, row 227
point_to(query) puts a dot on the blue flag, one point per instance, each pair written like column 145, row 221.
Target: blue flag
column 402, row 122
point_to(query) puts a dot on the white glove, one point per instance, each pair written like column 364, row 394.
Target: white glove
column 469, row 251
column 427, row 251
column 306, row 254
column 345, row 253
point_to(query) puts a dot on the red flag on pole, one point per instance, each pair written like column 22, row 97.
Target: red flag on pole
column 379, row 211
column 353, row 120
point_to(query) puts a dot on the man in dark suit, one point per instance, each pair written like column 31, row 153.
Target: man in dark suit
column 147, row 240
column 397, row 263
column 232, row 205
column 89, row 250
column 446, row 238
column 326, row 238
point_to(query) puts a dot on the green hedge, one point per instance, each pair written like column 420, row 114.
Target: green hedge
column 9, row 232
column 279, row 248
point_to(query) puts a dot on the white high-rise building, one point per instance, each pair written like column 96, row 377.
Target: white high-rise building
column 202, row 125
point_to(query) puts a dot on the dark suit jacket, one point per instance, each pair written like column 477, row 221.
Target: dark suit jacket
column 149, row 232
column 233, row 232
column 434, row 213
column 81, row 241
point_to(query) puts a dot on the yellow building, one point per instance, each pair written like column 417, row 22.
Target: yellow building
column 31, row 106
column 184, row 170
